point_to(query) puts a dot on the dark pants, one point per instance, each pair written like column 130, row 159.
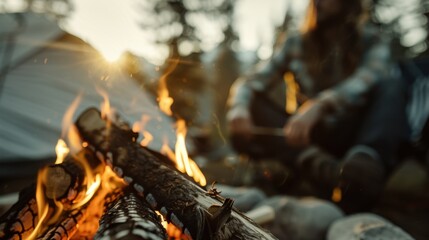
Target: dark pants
column 380, row 124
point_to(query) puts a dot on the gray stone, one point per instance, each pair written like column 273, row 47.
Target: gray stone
column 245, row 198
column 365, row 226
column 303, row 219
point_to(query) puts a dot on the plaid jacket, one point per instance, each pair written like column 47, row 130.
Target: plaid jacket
column 374, row 65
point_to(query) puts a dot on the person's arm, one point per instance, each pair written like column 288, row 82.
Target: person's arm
column 242, row 91
column 351, row 92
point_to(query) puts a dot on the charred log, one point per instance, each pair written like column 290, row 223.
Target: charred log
column 65, row 181
column 62, row 184
column 66, row 228
column 19, row 221
column 183, row 203
column 130, row 218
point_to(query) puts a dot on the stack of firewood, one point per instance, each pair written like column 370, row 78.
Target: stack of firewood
column 150, row 183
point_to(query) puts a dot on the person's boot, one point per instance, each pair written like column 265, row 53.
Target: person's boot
column 362, row 178
column 320, row 169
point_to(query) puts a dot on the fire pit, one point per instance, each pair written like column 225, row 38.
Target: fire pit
column 112, row 187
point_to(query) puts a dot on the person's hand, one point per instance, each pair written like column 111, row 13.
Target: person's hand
column 298, row 128
column 239, row 121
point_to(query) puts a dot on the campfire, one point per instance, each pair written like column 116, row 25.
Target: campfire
column 106, row 185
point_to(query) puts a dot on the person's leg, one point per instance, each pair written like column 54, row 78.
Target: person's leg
column 384, row 128
column 385, row 125
column 366, row 140
column 335, row 134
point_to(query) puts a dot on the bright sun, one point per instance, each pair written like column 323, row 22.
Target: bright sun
column 111, row 55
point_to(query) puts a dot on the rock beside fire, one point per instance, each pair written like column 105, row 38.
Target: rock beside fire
column 366, row 226
column 244, row 198
column 304, row 219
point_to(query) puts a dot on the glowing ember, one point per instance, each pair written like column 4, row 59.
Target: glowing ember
column 336, row 195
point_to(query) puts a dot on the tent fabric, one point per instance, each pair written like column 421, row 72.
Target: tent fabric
column 27, row 33
column 49, row 69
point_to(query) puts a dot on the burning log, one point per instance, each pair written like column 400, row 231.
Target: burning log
column 71, row 223
column 19, row 221
column 130, row 218
column 67, row 227
column 197, row 213
column 58, row 207
column 64, row 182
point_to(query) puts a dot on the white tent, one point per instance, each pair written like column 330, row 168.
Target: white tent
column 42, row 70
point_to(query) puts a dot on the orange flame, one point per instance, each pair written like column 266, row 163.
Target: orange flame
column 61, row 150
column 106, row 110
column 69, row 132
column 110, row 183
column 180, row 157
column 180, row 148
column 166, row 150
column 140, row 128
column 164, row 99
column 172, row 231
column 42, row 205
column 92, row 183
column 195, row 171
column 147, row 138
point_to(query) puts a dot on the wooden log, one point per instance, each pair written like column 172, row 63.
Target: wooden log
column 73, row 224
column 196, row 212
column 19, row 221
column 66, row 227
column 130, row 218
column 64, row 182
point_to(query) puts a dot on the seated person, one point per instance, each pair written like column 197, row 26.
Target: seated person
column 342, row 102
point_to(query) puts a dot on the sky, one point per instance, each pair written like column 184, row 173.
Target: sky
column 114, row 26
column 109, row 25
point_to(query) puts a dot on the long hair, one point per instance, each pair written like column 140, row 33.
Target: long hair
column 354, row 15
